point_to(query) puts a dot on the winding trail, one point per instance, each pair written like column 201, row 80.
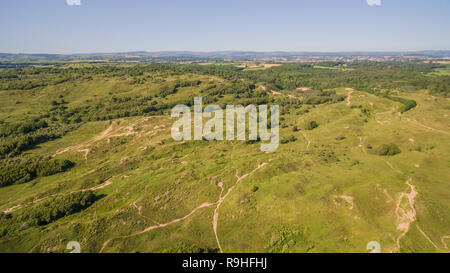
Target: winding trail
column 13, row 208
column 349, row 95
column 361, row 145
column 101, row 186
column 411, row 121
column 415, row 122
column 82, row 147
column 86, row 152
column 222, row 198
column 108, row 133
column 79, row 147
column 140, row 212
column 405, row 217
column 382, row 113
column 94, row 188
column 307, row 139
column 276, row 93
column 204, row 205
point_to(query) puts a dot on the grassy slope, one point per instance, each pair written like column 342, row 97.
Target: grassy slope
column 301, row 201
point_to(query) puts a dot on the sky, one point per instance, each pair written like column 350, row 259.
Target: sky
column 92, row 26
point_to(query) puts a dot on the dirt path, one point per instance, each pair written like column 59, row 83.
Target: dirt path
column 348, row 200
column 139, row 209
column 94, row 188
column 303, row 88
column 86, row 152
column 411, row 121
column 361, row 145
column 222, row 198
column 101, row 186
column 443, row 240
column 79, row 147
column 385, row 192
column 426, row 236
column 392, row 167
column 415, row 122
column 204, row 205
column 106, row 134
column 11, row 209
column 20, row 206
column 276, row 93
column 158, row 225
column 405, row 217
column 307, row 139
column 382, row 113
column 109, row 133
column 216, row 215
column 349, row 95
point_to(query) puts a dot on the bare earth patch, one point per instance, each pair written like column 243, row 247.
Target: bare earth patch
column 405, row 216
column 348, row 200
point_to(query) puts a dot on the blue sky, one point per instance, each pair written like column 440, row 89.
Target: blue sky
column 54, row 26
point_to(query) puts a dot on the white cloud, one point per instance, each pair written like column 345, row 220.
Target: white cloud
column 77, row 2
column 374, row 2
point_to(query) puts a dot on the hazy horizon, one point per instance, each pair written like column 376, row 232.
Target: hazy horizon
column 216, row 51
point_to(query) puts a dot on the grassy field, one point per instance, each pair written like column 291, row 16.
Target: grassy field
column 327, row 191
column 443, row 71
column 340, row 67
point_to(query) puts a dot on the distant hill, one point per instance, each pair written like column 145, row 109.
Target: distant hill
column 234, row 55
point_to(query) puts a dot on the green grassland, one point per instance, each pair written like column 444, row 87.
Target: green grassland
column 328, row 189
column 442, row 71
column 338, row 67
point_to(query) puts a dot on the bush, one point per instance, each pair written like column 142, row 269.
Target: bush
column 407, row 104
column 388, row 149
column 16, row 144
column 311, row 125
column 287, row 140
column 21, row 170
column 185, row 248
column 51, row 210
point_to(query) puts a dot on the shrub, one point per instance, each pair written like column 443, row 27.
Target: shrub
column 185, row 248
column 388, row 149
column 287, row 140
column 21, row 170
column 18, row 142
column 55, row 208
column 311, row 125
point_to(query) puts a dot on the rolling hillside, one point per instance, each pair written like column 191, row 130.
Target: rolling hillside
column 87, row 155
